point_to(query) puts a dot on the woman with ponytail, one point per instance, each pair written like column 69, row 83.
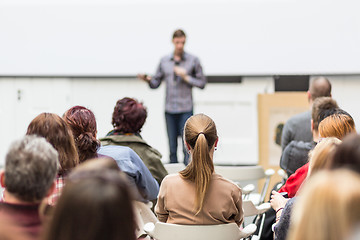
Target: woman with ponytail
column 197, row 195
column 83, row 126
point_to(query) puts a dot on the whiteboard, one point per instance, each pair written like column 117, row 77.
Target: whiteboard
column 231, row 37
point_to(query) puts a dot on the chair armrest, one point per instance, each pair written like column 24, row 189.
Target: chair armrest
column 149, row 228
column 269, row 172
column 263, row 207
column 248, row 189
column 248, row 231
column 282, row 174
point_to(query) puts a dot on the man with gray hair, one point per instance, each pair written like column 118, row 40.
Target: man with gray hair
column 299, row 126
column 30, row 169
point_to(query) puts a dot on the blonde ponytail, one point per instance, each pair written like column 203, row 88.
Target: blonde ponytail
column 201, row 166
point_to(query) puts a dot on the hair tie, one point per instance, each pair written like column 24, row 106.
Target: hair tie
column 201, row 133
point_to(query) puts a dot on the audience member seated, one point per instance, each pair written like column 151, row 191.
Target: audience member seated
column 9, row 231
column 328, row 208
column 83, row 124
column 339, row 130
column 347, row 155
column 298, row 127
column 143, row 213
column 56, row 131
column 130, row 163
column 338, row 124
column 283, row 207
column 295, row 154
column 128, row 118
column 197, row 195
column 30, row 169
column 94, row 205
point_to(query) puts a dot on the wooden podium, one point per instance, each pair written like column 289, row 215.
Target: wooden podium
column 273, row 111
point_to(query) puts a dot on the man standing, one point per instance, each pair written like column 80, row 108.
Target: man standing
column 299, row 126
column 181, row 71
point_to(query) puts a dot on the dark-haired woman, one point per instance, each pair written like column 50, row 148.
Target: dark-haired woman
column 128, row 118
column 83, row 124
column 197, row 195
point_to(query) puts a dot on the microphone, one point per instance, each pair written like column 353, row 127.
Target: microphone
column 177, row 78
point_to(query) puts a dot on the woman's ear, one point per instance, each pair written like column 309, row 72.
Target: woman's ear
column 312, row 125
column 216, row 142
column 187, row 146
column 2, row 178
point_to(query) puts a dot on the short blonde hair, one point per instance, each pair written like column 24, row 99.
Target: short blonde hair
column 319, row 156
column 328, row 208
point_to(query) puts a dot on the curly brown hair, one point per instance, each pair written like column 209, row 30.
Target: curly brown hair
column 83, row 126
column 129, row 116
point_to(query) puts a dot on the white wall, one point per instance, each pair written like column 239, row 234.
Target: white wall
column 240, row 37
column 232, row 106
column 345, row 90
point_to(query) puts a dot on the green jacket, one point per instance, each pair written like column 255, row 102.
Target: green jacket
column 150, row 156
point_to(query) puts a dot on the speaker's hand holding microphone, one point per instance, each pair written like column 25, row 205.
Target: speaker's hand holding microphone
column 180, row 72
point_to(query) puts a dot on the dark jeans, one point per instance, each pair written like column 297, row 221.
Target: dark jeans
column 175, row 124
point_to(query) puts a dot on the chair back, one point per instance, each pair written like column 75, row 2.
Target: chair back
column 251, row 210
column 174, row 167
column 143, row 214
column 248, row 173
column 167, row 231
column 241, row 173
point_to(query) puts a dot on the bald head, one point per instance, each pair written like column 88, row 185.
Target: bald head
column 320, row 87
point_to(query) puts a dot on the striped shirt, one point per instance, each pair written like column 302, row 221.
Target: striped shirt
column 178, row 92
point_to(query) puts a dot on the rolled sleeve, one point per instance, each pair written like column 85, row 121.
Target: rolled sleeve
column 198, row 79
column 157, row 78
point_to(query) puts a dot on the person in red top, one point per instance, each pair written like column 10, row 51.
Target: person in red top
column 30, row 169
column 337, row 123
column 295, row 180
column 322, row 107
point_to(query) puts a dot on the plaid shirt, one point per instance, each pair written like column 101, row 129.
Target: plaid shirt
column 178, row 92
column 60, row 182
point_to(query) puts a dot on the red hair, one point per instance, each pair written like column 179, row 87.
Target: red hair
column 129, row 116
column 83, row 126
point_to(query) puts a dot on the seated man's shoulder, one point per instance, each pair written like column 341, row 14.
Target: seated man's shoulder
column 299, row 145
column 299, row 117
